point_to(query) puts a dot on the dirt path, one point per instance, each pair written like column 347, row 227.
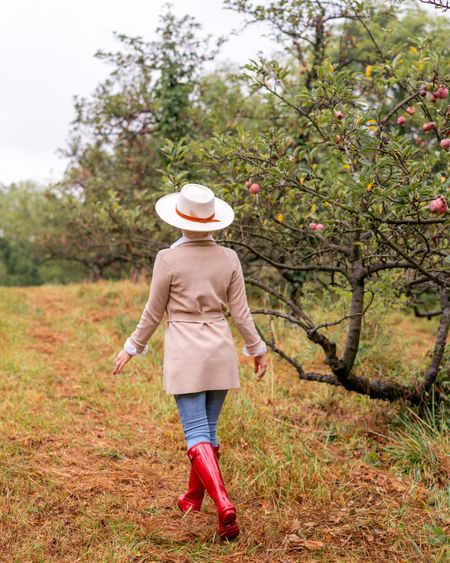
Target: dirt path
column 91, row 464
column 88, row 457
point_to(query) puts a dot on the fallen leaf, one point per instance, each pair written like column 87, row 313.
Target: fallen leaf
column 313, row 544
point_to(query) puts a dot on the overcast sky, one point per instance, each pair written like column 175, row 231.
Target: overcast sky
column 47, row 56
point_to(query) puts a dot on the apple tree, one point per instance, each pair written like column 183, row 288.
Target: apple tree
column 347, row 188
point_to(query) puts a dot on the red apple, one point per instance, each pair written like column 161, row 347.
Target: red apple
column 422, row 93
column 433, row 98
column 313, row 226
column 320, row 227
column 441, row 92
column 255, row 189
column 428, row 126
column 445, row 144
column 248, row 184
column 339, row 115
column 411, row 110
column 401, row 120
column 438, row 206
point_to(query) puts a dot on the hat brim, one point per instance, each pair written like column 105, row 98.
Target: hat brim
column 165, row 207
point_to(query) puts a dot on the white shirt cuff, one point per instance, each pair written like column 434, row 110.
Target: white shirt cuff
column 262, row 349
column 131, row 348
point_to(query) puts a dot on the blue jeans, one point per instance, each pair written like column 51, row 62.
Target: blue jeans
column 199, row 414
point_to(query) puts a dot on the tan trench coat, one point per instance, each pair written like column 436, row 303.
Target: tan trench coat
column 194, row 284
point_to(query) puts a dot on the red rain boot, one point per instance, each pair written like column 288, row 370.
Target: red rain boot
column 193, row 498
column 205, row 464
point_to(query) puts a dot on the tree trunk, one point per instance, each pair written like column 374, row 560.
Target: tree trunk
column 95, row 273
column 441, row 341
column 138, row 274
column 355, row 325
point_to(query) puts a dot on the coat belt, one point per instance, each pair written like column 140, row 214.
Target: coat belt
column 204, row 317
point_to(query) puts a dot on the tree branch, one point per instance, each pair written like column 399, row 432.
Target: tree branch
column 444, row 5
column 411, row 261
column 439, row 347
column 400, row 104
column 294, row 307
column 281, row 266
column 273, row 313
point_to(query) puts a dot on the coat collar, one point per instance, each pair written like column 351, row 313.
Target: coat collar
column 184, row 239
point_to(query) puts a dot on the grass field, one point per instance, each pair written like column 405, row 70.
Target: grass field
column 91, row 464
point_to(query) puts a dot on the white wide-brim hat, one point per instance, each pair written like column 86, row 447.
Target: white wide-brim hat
column 195, row 208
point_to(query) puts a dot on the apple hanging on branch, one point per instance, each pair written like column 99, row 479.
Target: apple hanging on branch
column 438, row 206
column 254, row 189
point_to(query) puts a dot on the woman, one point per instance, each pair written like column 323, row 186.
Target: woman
column 195, row 281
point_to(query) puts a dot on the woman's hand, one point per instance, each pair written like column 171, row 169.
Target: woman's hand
column 261, row 364
column 122, row 358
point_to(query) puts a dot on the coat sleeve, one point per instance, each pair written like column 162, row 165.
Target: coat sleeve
column 154, row 309
column 239, row 309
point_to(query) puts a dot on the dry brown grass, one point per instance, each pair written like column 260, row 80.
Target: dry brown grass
column 91, row 464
